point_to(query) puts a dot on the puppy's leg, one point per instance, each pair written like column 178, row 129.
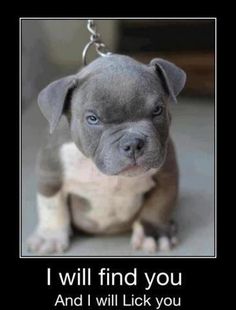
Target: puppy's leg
column 154, row 229
column 52, row 232
column 53, row 229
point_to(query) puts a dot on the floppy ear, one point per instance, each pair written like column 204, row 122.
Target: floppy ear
column 52, row 99
column 172, row 77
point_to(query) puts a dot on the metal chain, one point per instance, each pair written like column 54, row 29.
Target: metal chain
column 95, row 39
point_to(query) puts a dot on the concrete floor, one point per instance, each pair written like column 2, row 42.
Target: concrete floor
column 193, row 133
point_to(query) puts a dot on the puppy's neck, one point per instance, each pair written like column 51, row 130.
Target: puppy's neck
column 76, row 164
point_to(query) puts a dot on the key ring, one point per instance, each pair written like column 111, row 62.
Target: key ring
column 95, row 40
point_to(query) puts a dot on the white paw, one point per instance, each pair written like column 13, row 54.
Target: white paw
column 139, row 241
column 164, row 243
column 149, row 245
column 137, row 237
column 48, row 243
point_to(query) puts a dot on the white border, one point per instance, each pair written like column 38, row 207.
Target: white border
column 215, row 141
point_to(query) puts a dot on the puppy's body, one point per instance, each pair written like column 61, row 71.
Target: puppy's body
column 109, row 203
column 109, row 175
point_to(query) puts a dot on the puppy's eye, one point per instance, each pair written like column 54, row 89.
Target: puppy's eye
column 157, row 111
column 92, row 119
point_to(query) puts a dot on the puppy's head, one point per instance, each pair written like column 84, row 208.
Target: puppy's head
column 117, row 109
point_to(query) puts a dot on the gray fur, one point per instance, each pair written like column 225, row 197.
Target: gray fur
column 48, row 164
column 52, row 99
column 122, row 93
column 124, row 96
column 174, row 78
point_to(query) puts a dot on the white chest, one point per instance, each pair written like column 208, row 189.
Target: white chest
column 112, row 199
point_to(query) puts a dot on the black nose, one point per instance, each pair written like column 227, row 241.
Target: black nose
column 132, row 147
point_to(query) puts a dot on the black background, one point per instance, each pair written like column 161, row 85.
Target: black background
column 201, row 280
column 204, row 280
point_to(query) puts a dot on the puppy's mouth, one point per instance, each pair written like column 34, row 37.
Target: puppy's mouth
column 133, row 170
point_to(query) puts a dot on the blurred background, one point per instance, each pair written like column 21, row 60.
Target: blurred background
column 53, row 48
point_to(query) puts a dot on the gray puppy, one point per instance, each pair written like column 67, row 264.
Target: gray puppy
column 109, row 165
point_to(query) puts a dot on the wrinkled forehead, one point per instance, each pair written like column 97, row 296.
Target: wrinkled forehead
column 121, row 95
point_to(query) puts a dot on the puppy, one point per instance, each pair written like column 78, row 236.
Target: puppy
column 109, row 164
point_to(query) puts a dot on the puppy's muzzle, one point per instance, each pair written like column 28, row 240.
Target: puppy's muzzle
column 132, row 146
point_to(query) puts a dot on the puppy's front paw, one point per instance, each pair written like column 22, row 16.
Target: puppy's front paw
column 48, row 242
column 150, row 239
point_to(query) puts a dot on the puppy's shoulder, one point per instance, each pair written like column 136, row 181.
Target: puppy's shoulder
column 49, row 158
column 169, row 170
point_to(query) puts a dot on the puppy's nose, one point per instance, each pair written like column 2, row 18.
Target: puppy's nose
column 132, row 147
